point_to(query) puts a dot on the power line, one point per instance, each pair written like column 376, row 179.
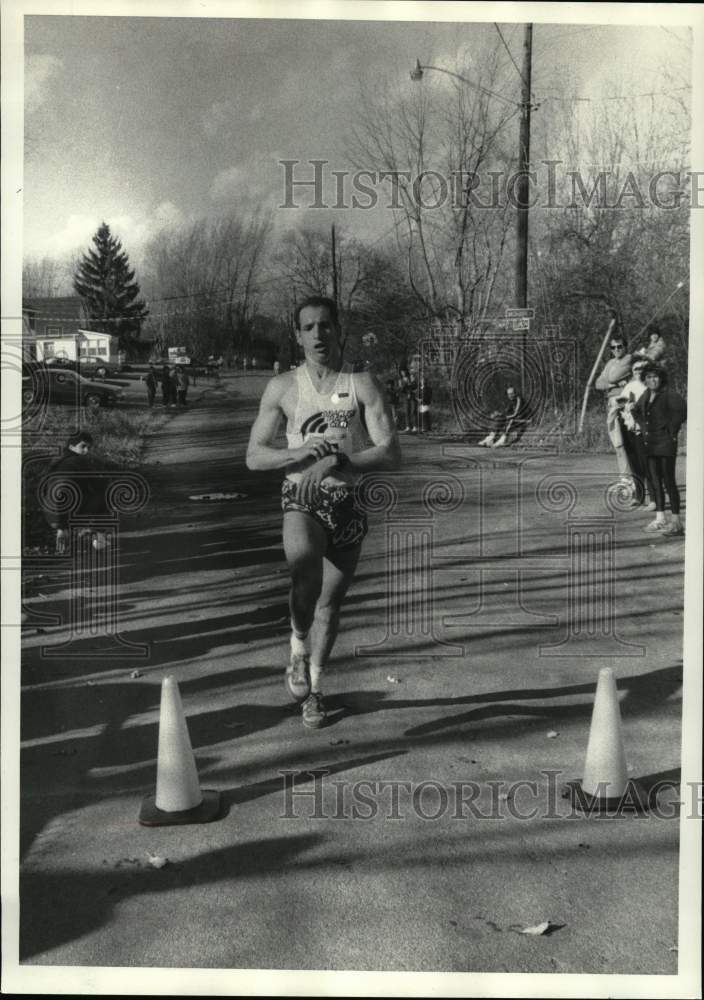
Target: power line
column 510, row 55
column 623, row 97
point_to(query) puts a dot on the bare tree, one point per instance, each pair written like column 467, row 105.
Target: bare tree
column 207, row 275
column 46, row 277
column 435, row 142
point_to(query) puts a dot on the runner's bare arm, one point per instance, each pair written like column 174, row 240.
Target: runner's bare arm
column 261, row 454
column 385, row 452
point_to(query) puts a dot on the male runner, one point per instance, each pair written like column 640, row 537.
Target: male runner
column 338, row 426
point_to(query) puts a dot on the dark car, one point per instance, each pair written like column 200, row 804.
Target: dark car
column 98, row 368
column 59, row 384
column 90, row 367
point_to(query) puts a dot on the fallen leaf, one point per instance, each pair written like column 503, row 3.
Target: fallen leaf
column 552, row 735
column 546, row 927
column 337, row 743
column 157, row 862
column 135, row 674
column 393, row 680
column 673, row 948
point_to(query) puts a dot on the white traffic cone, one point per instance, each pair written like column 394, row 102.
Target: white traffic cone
column 605, row 774
column 178, row 798
column 605, row 785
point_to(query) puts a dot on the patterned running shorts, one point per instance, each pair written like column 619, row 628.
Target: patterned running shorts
column 334, row 509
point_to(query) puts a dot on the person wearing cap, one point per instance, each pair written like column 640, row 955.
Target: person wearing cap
column 615, row 375
column 660, row 412
column 632, row 435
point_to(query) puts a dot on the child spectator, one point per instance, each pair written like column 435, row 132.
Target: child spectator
column 655, row 351
column 77, row 468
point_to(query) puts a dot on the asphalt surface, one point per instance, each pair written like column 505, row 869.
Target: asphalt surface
column 475, row 685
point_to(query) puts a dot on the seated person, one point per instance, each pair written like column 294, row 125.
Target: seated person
column 511, row 418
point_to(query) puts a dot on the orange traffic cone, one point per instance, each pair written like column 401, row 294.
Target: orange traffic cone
column 605, row 786
column 178, row 798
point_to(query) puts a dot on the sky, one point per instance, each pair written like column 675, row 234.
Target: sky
column 147, row 122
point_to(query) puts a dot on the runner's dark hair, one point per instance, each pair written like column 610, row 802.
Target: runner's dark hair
column 316, row 300
column 79, row 436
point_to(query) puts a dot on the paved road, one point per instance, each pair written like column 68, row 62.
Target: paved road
column 471, row 700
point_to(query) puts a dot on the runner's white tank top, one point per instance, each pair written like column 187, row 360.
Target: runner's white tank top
column 331, row 416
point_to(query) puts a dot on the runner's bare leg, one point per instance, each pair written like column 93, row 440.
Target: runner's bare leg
column 338, row 572
column 305, row 542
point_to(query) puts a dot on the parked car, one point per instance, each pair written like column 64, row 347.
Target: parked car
column 59, row 384
column 90, row 367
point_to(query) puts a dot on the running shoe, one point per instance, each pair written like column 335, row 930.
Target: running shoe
column 655, row 526
column 298, row 677
column 314, row 711
column 673, row 529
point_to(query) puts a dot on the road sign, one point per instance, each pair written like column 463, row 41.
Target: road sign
column 520, row 324
column 513, row 313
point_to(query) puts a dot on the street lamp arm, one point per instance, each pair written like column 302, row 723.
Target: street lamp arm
column 417, row 74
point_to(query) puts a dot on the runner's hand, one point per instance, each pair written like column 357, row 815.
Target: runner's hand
column 309, row 483
column 313, row 450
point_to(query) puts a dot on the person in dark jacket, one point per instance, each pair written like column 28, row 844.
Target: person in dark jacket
column 181, row 385
column 165, row 385
column 151, row 381
column 80, row 472
column 660, row 412
column 407, row 389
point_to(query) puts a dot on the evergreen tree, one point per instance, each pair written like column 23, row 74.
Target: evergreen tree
column 105, row 283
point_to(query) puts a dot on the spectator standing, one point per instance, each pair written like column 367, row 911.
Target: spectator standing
column 172, row 386
column 181, row 386
column 660, row 412
column 277, row 368
column 392, row 399
column 633, row 436
column 151, row 381
column 165, row 385
column 407, row 388
column 615, row 375
column 425, row 398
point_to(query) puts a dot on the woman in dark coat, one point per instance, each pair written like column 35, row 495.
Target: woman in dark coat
column 660, row 412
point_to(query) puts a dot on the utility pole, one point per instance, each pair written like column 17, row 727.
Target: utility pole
column 523, row 190
column 334, row 267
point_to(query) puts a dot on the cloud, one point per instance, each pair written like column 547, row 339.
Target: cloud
column 133, row 232
column 219, row 118
column 39, row 70
column 235, row 182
